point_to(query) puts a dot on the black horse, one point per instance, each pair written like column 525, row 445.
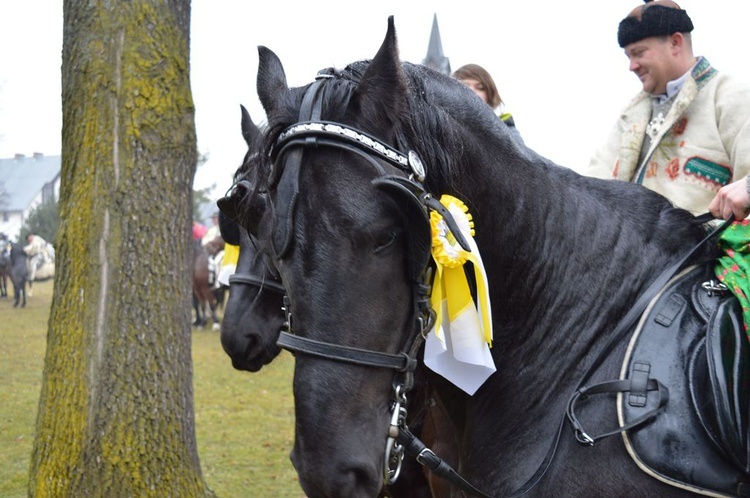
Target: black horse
column 253, row 316
column 4, row 269
column 253, row 310
column 15, row 264
column 566, row 257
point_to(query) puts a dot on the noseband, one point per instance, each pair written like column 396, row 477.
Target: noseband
column 253, row 280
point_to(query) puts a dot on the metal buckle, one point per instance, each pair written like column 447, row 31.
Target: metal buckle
column 714, row 287
column 394, row 452
column 584, row 438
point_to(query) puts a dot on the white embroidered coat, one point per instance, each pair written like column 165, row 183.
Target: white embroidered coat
column 703, row 144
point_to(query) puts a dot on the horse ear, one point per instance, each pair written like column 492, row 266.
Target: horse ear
column 271, row 82
column 381, row 93
column 250, row 131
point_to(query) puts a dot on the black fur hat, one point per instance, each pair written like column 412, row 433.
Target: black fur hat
column 656, row 20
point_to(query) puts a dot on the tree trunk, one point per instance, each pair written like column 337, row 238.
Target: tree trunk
column 116, row 409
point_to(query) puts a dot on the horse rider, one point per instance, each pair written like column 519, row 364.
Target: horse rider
column 39, row 252
column 214, row 244
column 213, row 231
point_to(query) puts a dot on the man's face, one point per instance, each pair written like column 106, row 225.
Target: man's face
column 651, row 59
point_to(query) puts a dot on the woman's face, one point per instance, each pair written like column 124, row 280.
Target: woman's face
column 478, row 88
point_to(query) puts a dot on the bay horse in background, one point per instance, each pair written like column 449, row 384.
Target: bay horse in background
column 204, row 300
column 214, row 248
column 566, row 257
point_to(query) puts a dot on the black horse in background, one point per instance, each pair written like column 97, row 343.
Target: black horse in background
column 14, row 261
column 566, row 257
column 253, row 314
column 4, row 269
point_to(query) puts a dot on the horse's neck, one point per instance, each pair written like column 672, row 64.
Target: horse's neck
column 548, row 281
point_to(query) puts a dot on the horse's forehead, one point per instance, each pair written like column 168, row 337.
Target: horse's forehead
column 344, row 189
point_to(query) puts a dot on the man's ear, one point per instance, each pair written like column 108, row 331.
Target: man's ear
column 676, row 42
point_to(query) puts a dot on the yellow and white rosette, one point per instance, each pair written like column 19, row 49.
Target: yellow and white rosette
column 459, row 350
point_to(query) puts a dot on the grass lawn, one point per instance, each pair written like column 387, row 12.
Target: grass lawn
column 244, row 422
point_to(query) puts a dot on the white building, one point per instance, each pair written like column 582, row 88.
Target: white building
column 25, row 183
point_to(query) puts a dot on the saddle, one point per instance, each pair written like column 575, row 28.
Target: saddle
column 692, row 340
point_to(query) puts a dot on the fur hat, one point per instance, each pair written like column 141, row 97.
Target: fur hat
column 656, row 18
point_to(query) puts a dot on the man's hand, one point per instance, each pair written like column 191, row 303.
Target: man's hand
column 731, row 199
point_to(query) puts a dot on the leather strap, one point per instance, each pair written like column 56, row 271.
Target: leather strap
column 399, row 362
column 426, row 457
column 263, row 283
column 615, row 386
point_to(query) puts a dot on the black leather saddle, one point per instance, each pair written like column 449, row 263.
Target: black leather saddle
column 692, row 340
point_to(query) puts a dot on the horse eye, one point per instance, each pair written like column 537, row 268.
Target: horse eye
column 386, row 241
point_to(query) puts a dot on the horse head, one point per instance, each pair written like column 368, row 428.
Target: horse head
column 253, row 315
column 346, row 226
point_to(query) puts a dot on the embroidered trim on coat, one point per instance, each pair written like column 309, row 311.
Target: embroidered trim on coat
column 708, row 170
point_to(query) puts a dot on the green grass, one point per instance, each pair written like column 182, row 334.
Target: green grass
column 244, row 421
column 22, row 346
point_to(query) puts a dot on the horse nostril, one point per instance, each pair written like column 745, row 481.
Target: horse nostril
column 252, row 349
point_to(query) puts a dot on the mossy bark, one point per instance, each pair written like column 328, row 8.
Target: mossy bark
column 116, row 408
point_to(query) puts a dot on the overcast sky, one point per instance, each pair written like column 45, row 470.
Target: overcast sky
column 557, row 64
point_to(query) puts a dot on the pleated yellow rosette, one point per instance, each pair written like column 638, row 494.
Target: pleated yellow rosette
column 459, row 350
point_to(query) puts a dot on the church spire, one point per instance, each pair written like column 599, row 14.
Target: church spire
column 435, row 58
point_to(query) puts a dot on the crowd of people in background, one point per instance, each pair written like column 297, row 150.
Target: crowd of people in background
column 38, row 253
column 222, row 257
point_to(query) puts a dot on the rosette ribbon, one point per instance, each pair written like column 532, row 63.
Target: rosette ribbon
column 459, row 350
